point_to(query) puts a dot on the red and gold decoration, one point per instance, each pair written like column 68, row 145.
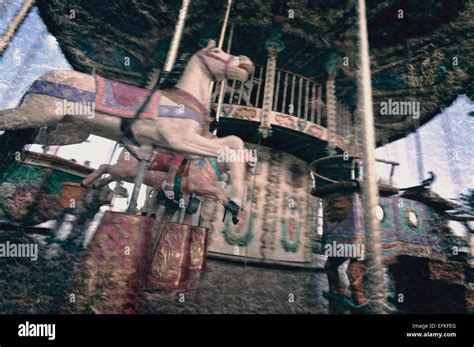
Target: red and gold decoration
column 278, row 218
column 179, row 257
column 111, row 276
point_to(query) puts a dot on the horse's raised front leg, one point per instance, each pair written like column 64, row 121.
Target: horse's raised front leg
column 207, row 190
column 104, row 181
column 199, row 145
column 204, row 147
column 90, row 179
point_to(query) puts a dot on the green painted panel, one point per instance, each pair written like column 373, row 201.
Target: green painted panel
column 25, row 175
column 22, row 174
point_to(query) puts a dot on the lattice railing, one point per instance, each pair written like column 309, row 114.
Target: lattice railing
column 294, row 95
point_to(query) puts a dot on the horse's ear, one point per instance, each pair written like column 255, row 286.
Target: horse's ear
column 211, row 44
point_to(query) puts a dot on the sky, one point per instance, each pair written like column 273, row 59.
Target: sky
column 446, row 141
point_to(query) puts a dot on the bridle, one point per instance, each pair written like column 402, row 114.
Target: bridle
column 183, row 95
column 206, row 52
column 125, row 124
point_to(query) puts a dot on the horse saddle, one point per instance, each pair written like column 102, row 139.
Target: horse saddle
column 162, row 160
column 124, row 100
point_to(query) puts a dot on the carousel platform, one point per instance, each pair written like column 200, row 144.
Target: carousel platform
column 38, row 287
column 233, row 288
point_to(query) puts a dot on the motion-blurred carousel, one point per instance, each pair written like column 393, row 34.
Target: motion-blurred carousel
column 312, row 200
column 422, row 258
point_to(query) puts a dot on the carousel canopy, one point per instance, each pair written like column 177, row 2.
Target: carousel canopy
column 421, row 50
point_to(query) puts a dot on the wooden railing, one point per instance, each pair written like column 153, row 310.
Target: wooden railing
column 294, row 95
column 298, row 96
column 248, row 93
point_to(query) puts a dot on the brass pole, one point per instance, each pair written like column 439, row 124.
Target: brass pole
column 220, row 100
column 178, row 33
column 147, row 151
column 220, row 43
column 15, row 24
column 370, row 195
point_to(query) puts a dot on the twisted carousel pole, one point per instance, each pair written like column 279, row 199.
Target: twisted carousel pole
column 147, row 150
column 274, row 45
column 376, row 285
column 178, row 33
column 15, row 24
column 220, row 44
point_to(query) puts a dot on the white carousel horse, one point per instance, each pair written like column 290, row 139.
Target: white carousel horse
column 183, row 134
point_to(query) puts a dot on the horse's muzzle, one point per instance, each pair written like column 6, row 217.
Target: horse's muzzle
column 246, row 64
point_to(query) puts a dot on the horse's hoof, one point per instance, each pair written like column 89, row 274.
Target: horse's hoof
column 193, row 205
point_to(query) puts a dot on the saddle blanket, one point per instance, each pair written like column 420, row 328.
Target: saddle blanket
column 122, row 100
column 162, row 160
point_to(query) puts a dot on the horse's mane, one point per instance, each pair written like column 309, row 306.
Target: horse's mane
column 178, row 69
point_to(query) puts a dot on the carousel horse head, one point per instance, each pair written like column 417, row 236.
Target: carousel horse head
column 220, row 65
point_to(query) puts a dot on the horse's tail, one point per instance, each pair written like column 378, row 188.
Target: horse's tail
column 12, row 148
